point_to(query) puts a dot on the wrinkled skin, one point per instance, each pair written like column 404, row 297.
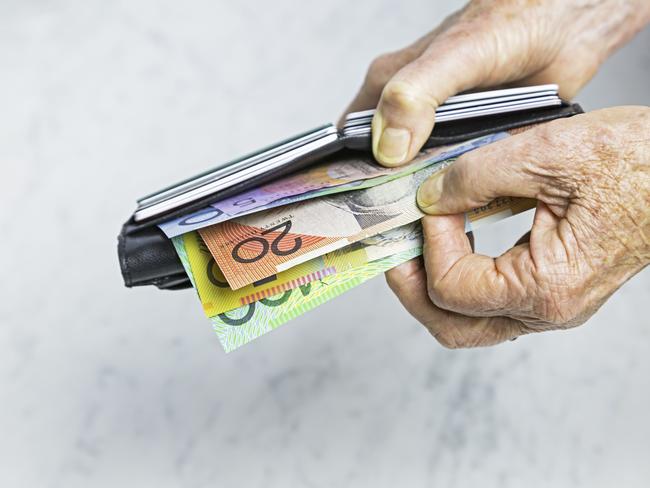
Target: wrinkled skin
column 591, row 232
column 590, row 173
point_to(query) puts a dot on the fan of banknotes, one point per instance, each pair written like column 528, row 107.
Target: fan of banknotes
column 268, row 255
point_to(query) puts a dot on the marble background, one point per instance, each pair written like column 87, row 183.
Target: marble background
column 102, row 386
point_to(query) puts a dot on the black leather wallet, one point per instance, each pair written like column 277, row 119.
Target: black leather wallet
column 147, row 256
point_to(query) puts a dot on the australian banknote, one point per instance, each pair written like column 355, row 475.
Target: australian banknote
column 237, row 327
column 354, row 171
column 217, row 297
column 252, row 248
column 240, row 326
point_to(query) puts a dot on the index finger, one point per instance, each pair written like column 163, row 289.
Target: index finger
column 468, row 283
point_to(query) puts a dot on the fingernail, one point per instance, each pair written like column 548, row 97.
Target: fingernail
column 430, row 191
column 393, row 145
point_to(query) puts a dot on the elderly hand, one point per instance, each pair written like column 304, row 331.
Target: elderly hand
column 487, row 44
column 591, row 232
column 590, row 173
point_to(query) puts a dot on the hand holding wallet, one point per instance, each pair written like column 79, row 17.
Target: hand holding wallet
column 146, row 255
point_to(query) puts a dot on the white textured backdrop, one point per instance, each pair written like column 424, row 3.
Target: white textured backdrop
column 101, row 102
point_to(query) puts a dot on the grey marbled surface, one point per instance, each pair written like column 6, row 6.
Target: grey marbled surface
column 101, row 386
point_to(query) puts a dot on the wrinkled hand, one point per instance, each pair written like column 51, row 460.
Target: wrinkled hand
column 589, row 173
column 591, row 231
column 488, row 44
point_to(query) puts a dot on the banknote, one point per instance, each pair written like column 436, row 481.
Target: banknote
column 237, row 327
column 179, row 246
column 354, row 171
column 240, row 326
column 252, row 248
column 217, row 297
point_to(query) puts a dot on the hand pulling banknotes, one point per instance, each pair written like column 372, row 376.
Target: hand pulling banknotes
column 255, row 273
column 267, row 254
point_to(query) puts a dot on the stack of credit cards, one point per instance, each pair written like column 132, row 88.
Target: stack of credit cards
column 472, row 105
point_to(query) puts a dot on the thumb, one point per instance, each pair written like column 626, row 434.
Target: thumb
column 455, row 61
column 523, row 165
column 407, row 107
column 482, row 46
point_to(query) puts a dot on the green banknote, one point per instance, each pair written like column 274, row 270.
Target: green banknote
column 179, row 246
column 240, row 326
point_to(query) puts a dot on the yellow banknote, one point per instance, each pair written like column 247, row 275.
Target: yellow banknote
column 217, row 296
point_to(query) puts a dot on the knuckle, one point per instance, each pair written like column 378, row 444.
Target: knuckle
column 433, row 290
column 405, row 95
column 548, row 156
column 394, row 283
column 462, row 182
column 440, row 294
column 380, row 70
column 404, row 278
